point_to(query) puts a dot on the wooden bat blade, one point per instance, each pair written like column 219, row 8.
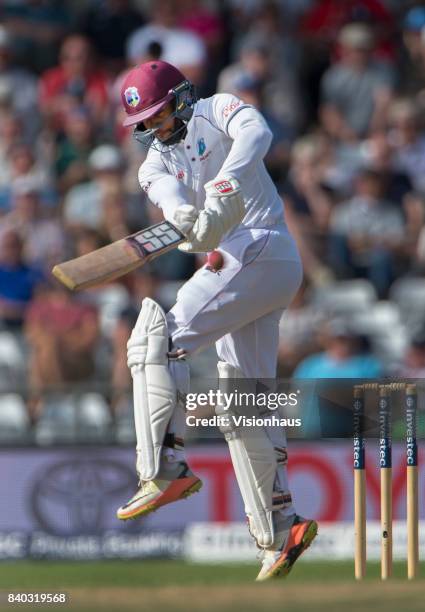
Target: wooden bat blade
column 119, row 258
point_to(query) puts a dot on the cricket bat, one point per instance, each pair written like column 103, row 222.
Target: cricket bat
column 119, row 258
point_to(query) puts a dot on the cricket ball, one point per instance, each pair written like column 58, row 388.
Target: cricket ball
column 215, row 261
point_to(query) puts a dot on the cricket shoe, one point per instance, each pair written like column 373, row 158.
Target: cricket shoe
column 295, row 538
column 175, row 484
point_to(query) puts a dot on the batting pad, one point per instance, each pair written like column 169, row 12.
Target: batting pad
column 154, row 390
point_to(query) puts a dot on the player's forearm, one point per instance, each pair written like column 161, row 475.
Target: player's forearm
column 251, row 141
column 168, row 193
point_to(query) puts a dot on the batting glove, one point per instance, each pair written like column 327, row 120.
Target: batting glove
column 224, row 208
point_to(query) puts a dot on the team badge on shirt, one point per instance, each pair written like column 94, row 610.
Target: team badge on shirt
column 132, row 96
column 201, row 146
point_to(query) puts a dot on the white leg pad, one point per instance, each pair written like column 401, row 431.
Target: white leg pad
column 254, row 461
column 154, row 390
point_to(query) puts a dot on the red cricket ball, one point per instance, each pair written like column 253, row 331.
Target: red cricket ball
column 215, row 261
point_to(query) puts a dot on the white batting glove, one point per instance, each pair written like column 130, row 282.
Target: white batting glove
column 184, row 218
column 205, row 235
column 224, row 208
column 225, row 197
column 202, row 229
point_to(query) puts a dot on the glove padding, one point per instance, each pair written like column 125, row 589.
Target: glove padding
column 224, row 208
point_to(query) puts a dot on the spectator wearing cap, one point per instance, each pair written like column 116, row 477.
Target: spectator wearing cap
column 19, row 85
column 356, row 90
column 411, row 68
column 19, row 281
column 367, row 233
column 102, row 203
column 182, row 48
column 75, row 81
column 42, row 232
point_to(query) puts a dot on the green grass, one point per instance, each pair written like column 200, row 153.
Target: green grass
column 149, row 574
column 121, row 586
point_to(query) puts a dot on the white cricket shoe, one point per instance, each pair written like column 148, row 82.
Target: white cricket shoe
column 153, row 494
column 294, row 539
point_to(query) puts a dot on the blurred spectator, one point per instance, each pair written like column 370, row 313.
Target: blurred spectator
column 37, row 27
column 308, row 206
column 180, row 47
column 108, row 23
column 73, row 149
column 323, row 21
column 62, row 335
column 378, row 154
column 24, row 168
column 269, row 25
column 76, row 80
column 419, row 201
column 100, row 204
column 298, row 332
column 318, row 31
column 197, row 18
column 413, row 365
column 411, row 69
column 44, row 240
column 414, row 212
column 250, row 90
column 18, row 280
column 356, row 90
column 366, row 234
column 11, row 133
column 18, row 85
column 279, row 93
column 408, row 139
column 346, row 354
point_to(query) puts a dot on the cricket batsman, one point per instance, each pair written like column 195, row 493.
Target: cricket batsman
column 204, row 168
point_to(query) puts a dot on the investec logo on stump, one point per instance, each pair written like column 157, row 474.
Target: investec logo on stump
column 411, row 445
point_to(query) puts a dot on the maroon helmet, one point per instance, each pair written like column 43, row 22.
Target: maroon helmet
column 147, row 89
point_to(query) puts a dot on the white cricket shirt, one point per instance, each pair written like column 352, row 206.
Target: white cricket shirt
column 225, row 137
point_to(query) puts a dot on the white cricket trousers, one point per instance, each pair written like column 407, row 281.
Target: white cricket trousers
column 239, row 307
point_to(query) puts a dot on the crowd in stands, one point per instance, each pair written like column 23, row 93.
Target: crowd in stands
column 342, row 86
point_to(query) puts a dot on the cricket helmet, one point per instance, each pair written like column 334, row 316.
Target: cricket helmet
column 148, row 88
